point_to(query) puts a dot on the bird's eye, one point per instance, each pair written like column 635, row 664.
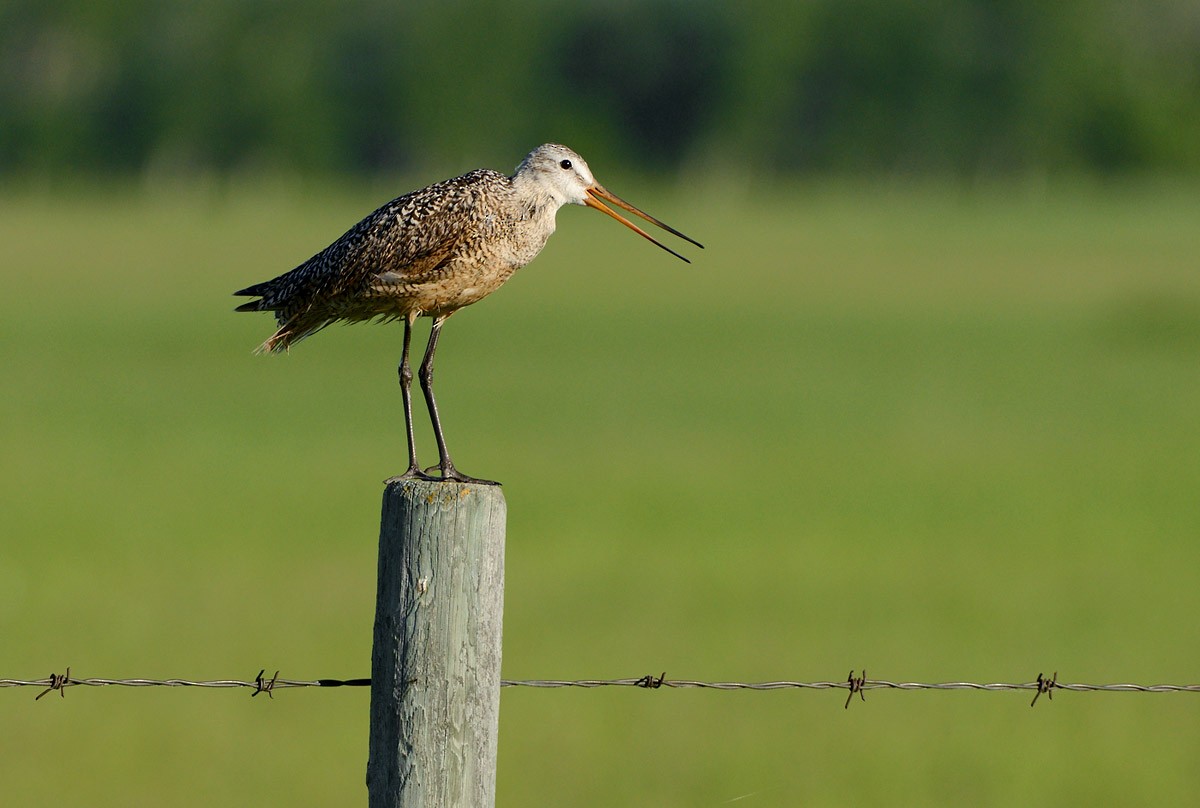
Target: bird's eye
column 566, row 164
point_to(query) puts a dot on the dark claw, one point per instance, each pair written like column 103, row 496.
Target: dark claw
column 414, row 473
column 451, row 474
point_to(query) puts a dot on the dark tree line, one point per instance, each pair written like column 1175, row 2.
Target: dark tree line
column 941, row 86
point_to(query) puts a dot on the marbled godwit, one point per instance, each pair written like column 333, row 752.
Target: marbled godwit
column 428, row 254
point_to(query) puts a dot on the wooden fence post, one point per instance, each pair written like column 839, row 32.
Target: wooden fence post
column 435, row 665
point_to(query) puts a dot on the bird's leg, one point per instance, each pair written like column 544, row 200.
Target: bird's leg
column 426, row 375
column 406, row 376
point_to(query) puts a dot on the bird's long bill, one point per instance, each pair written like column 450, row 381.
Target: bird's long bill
column 598, row 192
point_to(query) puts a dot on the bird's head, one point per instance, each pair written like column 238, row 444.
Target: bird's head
column 558, row 172
column 564, row 176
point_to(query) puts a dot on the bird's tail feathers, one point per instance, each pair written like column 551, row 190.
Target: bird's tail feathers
column 280, row 341
column 288, row 335
column 274, row 344
column 260, row 290
column 257, row 290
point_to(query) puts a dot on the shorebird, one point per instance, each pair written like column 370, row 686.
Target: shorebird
column 431, row 252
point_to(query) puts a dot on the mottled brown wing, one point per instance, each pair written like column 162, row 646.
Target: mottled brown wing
column 413, row 237
column 405, row 239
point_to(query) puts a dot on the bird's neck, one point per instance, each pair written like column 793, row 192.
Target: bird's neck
column 536, row 201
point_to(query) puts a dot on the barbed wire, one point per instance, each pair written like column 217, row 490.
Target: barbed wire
column 854, row 684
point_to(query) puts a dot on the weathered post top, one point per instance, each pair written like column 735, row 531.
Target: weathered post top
column 435, row 665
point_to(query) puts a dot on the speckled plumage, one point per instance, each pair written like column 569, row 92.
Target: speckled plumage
column 429, row 252
column 432, row 252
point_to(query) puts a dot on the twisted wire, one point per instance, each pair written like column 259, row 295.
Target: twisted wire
column 859, row 684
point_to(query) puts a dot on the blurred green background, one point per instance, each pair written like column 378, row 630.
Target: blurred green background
column 963, row 87
column 926, row 404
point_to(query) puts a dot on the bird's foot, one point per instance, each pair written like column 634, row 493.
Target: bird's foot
column 451, row 474
column 414, row 473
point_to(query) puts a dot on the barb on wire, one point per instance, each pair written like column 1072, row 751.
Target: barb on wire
column 650, row 682
column 261, row 686
column 58, row 683
column 1045, row 686
column 855, row 686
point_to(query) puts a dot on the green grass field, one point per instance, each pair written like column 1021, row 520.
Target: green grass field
column 939, row 433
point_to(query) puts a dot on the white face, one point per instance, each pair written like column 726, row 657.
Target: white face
column 562, row 172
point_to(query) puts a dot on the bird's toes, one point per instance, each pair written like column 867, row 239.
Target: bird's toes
column 451, row 474
column 415, row 473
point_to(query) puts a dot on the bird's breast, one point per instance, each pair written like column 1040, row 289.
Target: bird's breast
column 495, row 245
column 526, row 237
